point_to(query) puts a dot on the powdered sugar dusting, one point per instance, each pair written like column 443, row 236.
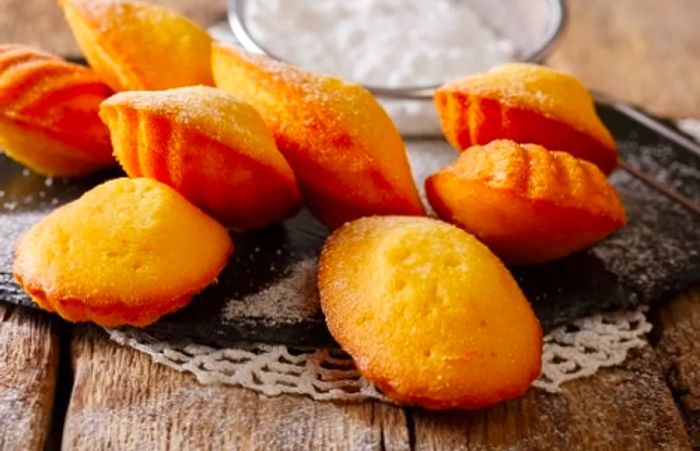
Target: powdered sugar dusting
column 13, row 226
column 190, row 106
column 667, row 166
column 292, row 299
column 107, row 14
column 669, row 255
column 213, row 112
column 99, row 5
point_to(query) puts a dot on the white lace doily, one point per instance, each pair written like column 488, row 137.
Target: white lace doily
column 572, row 351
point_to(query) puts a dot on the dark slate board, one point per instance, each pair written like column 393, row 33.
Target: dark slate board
column 655, row 256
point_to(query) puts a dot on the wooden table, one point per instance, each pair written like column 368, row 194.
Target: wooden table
column 70, row 387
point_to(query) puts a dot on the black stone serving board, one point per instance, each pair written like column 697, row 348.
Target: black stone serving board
column 655, row 256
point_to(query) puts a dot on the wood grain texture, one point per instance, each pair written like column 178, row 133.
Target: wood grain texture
column 678, row 347
column 644, row 52
column 29, row 351
column 628, row 407
column 122, row 400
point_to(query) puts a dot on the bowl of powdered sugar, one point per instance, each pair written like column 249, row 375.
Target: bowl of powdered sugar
column 399, row 49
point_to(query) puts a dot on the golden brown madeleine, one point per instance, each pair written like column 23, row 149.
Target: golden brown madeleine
column 209, row 146
column 428, row 313
column 127, row 252
column 48, row 113
column 528, row 104
column 136, row 45
column 346, row 153
column 527, row 204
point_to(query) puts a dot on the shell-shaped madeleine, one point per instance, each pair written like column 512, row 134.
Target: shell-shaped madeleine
column 209, row 146
column 345, row 151
column 135, row 45
column 126, row 252
column 529, row 205
column 527, row 103
column 49, row 113
column 428, row 313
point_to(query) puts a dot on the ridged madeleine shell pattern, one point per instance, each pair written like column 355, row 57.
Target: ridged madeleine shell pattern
column 529, row 204
column 209, row 146
column 528, row 104
column 347, row 155
column 49, row 113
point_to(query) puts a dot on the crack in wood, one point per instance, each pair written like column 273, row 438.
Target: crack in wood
column 677, row 326
column 64, row 387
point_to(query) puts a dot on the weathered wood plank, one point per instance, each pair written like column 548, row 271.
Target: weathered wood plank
column 644, row 52
column 678, row 328
column 122, row 400
column 628, row 407
column 29, row 352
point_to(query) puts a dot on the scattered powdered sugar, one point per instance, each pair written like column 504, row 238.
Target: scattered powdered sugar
column 292, row 299
column 13, row 226
column 661, row 161
column 105, row 15
column 15, row 406
column 202, row 108
column 97, row 5
column 628, row 253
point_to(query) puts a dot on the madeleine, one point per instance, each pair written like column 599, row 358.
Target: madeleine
column 48, row 113
column 125, row 253
column 529, row 205
column 209, row 146
column 428, row 313
column 135, row 45
column 346, row 153
column 527, row 103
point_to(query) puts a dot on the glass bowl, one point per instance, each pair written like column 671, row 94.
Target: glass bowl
column 532, row 26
